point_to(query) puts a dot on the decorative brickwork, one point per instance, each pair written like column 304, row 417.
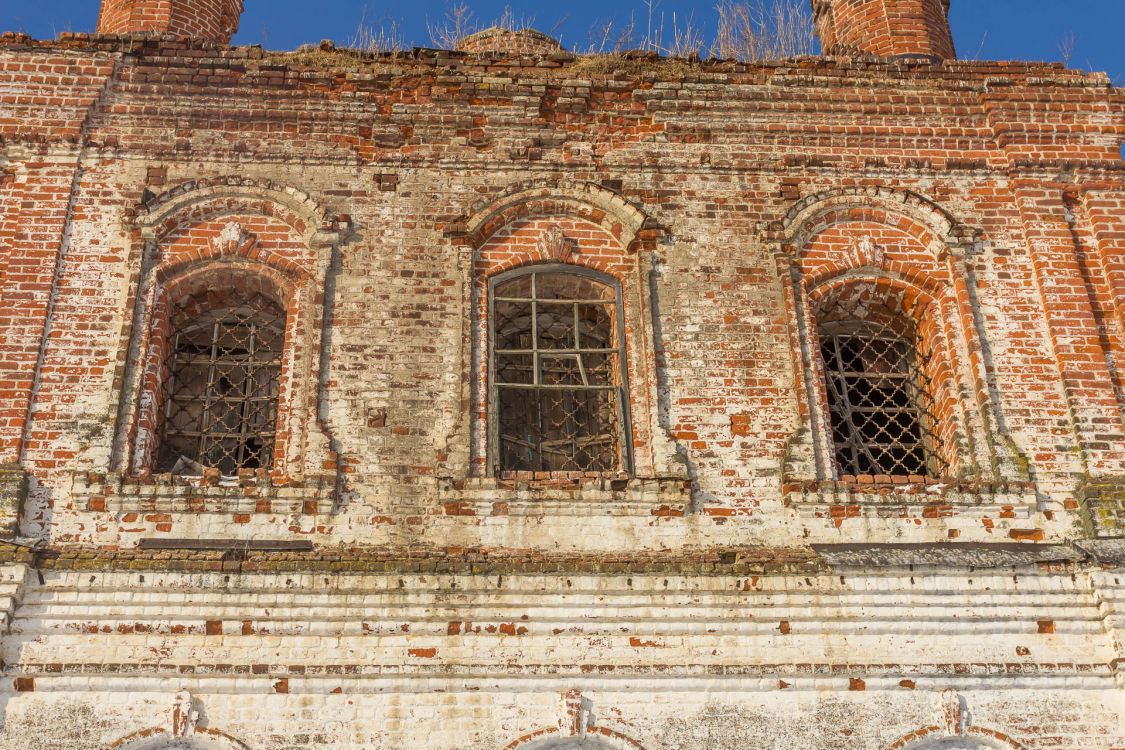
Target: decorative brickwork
column 715, row 578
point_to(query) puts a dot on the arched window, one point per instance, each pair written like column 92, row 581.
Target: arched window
column 221, row 377
column 878, row 386
column 558, row 397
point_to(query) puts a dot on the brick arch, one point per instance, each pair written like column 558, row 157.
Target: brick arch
column 519, row 243
column 586, row 200
column 914, row 214
column 932, row 737
column 915, row 300
column 893, row 236
column 191, row 249
column 158, row 738
column 242, row 251
column 926, row 287
column 594, row 738
column 195, row 201
column 583, row 225
column 204, row 276
column 216, row 281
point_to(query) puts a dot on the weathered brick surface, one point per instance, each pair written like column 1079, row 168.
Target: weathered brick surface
column 674, row 605
column 212, row 20
column 887, row 28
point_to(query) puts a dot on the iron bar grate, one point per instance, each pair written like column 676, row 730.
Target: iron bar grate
column 222, row 371
column 880, row 398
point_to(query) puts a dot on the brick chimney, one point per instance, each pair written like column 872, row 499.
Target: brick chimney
column 887, row 28
column 207, row 20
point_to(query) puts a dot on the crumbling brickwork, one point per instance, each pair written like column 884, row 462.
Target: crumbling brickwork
column 378, row 578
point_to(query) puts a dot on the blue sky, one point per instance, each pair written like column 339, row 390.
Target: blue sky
column 983, row 29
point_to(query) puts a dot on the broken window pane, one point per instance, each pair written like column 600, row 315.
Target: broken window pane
column 559, row 403
column 221, row 400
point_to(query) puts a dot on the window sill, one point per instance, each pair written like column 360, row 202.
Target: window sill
column 179, row 494
column 566, row 495
column 882, row 496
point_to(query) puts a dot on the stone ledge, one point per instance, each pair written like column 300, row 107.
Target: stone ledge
column 741, row 561
column 96, row 493
column 863, row 497
column 710, row 562
column 566, row 495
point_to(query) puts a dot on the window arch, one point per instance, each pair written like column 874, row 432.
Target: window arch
column 903, row 261
column 221, row 382
column 578, row 227
column 216, row 390
column 879, row 388
column 559, row 396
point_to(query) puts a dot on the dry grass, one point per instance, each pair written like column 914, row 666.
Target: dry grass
column 631, row 65
column 357, row 53
column 460, row 22
column 745, row 30
column 385, row 38
column 757, row 30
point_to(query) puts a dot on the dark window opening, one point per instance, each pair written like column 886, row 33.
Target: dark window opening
column 558, row 360
column 222, row 374
column 880, row 401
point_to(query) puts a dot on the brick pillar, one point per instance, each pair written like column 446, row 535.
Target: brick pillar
column 1051, row 233
column 207, row 20
column 887, row 28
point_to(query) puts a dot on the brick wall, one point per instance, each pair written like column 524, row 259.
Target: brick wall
column 441, row 605
column 886, row 28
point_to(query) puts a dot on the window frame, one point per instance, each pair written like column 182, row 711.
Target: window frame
column 625, row 441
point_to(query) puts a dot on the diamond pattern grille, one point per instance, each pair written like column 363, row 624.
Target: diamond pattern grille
column 223, row 370
column 879, row 398
column 557, row 360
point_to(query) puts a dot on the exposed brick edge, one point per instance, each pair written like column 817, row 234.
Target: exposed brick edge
column 218, row 738
column 925, row 735
column 165, row 213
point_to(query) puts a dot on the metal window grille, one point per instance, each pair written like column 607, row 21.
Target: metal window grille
column 880, row 398
column 558, row 358
column 222, row 372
